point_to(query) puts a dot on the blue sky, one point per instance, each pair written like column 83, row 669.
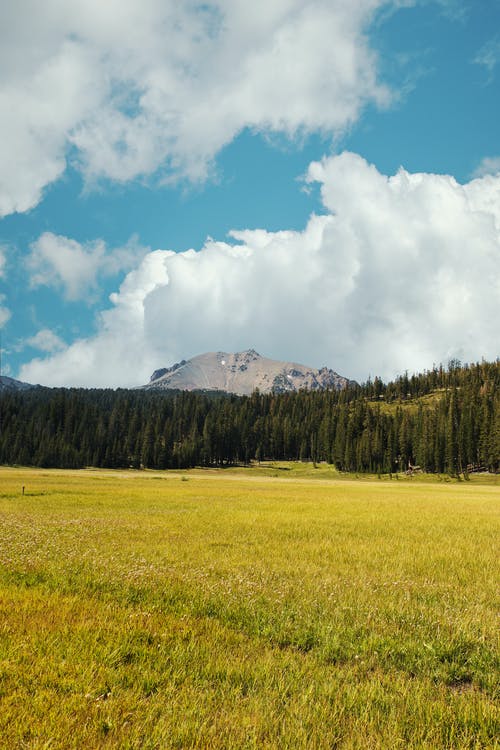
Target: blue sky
column 129, row 142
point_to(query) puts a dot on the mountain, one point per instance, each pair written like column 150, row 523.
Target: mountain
column 243, row 373
column 9, row 384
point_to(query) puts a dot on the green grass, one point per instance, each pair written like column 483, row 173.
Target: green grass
column 410, row 404
column 240, row 609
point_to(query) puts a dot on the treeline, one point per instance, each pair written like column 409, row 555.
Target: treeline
column 445, row 420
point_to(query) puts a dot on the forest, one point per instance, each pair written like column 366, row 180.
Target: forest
column 446, row 420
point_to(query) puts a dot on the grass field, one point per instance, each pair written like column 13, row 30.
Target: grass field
column 274, row 608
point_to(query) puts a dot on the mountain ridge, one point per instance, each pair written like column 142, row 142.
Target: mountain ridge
column 11, row 384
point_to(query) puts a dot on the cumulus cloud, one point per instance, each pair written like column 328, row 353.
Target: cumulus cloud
column 488, row 165
column 120, row 354
column 399, row 273
column 63, row 263
column 130, row 87
column 46, row 341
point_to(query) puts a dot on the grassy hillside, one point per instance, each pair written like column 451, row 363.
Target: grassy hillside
column 411, row 404
column 213, row 609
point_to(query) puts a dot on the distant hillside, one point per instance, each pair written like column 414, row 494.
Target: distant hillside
column 10, row 384
column 242, row 373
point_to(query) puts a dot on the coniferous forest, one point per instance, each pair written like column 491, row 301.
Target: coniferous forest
column 445, row 420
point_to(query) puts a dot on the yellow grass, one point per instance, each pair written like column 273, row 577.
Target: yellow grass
column 242, row 610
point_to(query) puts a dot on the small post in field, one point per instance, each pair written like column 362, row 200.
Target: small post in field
column 23, row 490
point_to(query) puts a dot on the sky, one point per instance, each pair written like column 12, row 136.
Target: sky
column 318, row 180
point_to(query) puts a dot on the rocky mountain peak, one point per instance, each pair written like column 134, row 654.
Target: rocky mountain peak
column 242, row 373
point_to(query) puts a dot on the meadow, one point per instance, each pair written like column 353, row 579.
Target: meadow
column 278, row 607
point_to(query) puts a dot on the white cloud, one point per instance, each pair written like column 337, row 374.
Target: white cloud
column 5, row 313
column 488, row 165
column 120, row 354
column 130, row 87
column 399, row 273
column 46, row 341
column 489, row 55
column 64, row 263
